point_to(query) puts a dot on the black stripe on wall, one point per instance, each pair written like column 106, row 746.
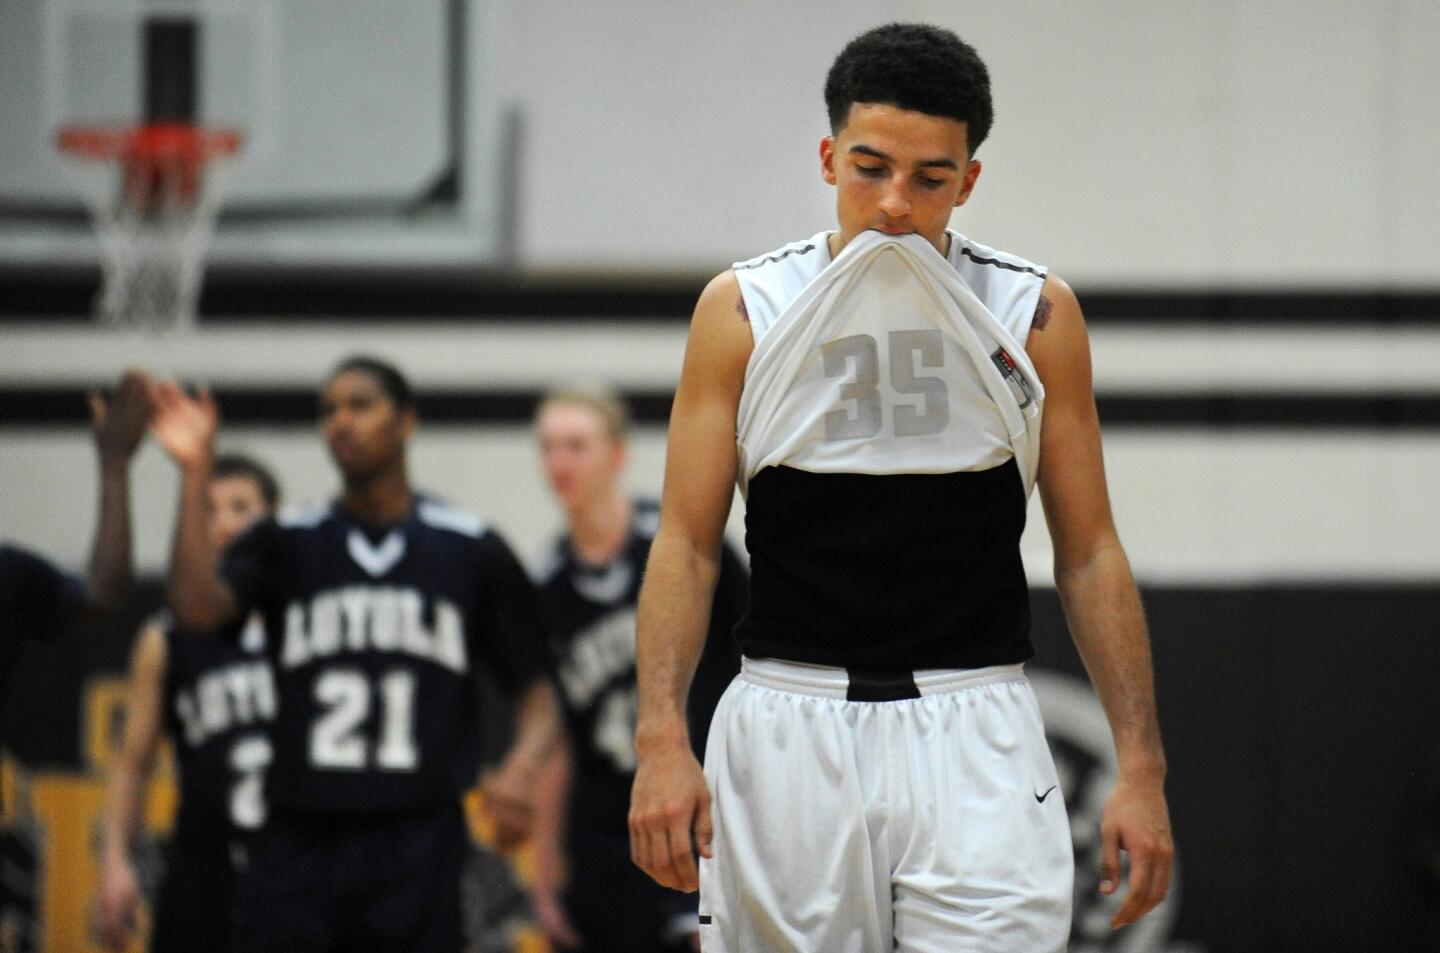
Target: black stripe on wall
column 1323, row 412
column 393, row 295
column 45, row 407
column 290, row 407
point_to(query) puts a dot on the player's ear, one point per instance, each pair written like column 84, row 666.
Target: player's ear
column 972, row 173
column 408, row 420
column 827, row 159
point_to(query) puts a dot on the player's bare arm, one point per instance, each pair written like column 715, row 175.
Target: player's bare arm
column 509, row 791
column 185, row 426
column 119, row 901
column 552, row 792
column 1101, row 602
column 118, row 426
column 670, row 799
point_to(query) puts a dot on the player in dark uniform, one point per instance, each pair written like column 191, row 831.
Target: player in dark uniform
column 589, row 590
column 378, row 610
column 213, row 695
column 36, row 598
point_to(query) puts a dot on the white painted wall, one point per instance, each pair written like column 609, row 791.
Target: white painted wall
column 1172, row 145
column 1184, row 143
column 1218, row 507
column 1129, row 358
column 50, row 484
column 1193, row 504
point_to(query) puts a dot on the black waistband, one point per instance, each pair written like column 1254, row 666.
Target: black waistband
column 870, row 686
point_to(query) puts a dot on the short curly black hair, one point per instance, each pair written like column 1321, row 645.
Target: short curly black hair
column 913, row 66
column 387, row 375
column 228, row 465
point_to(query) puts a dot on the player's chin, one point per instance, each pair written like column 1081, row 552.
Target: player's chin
column 566, row 492
column 352, row 466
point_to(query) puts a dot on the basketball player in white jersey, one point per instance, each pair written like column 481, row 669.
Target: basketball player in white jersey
column 877, row 778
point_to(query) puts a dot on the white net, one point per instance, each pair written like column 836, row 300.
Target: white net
column 154, row 194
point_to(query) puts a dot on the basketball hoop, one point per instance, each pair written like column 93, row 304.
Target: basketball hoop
column 154, row 195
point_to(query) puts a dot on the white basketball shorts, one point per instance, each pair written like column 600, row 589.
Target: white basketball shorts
column 931, row 824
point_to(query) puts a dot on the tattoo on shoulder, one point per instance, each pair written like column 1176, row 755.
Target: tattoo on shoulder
column 741, row 310
column 1042, row 314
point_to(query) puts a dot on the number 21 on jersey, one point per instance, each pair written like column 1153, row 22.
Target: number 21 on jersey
column 345, row 697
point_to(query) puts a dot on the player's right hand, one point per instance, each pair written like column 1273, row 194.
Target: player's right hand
column 119, row 905
column 670, row 805
column 184, row 425
column 510, row 804
column 118, row 425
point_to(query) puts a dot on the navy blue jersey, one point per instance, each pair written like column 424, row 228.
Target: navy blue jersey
column 590, row 615
column 219, row 701
column 376, row 637
column 36, row 601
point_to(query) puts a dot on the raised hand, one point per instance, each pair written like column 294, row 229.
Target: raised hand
column 119, row 425
column 184, row 425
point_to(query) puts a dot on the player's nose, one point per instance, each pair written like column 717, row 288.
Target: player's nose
column 894, row 202
column 336, row 420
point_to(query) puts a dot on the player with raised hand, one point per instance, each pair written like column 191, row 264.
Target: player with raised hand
column 118, row 426
column 37, row 599
column 213, row 695
column 378, row 610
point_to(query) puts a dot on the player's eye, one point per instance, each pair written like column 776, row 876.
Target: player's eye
column 871, row 171
column 929, row 183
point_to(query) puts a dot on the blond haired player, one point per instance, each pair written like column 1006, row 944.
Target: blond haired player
column 588, row 894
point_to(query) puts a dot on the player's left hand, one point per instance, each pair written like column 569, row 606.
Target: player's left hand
column 184, row 425
column 508, row 801
column 1136, row 821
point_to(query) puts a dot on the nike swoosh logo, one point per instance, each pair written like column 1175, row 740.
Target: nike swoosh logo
column 1040, row 798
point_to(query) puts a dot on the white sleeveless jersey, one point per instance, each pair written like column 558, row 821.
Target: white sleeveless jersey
column 889, row 359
